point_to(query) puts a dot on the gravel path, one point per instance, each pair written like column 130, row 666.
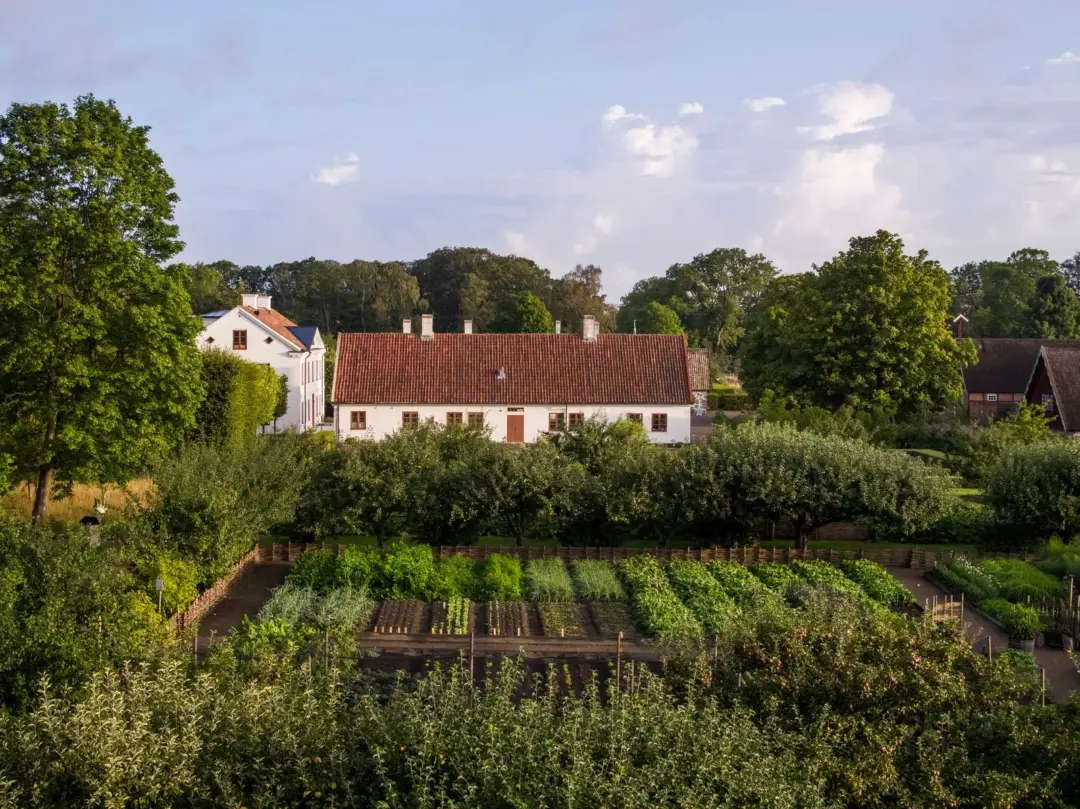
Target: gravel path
column 1061, row 675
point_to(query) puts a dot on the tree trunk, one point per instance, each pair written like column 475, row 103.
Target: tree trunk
column 802, row 540
column 45, row 472
column 41, row 496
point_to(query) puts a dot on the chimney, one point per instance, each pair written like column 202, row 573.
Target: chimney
column 427, row 327
column 406, row 326
column 558, row 327
column 468, row 327
column 588, row 329
column 250, row 300
column 263, row 301
column 958, row 324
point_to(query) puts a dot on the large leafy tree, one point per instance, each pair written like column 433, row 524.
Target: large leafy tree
column 659, row 319
column 212, row 287
column 579, row 293
column 98, row 364
column 868, row 330
column 523, row 313
column 997, row 295
column 710, row 294
column 467, row 283
column 1070, row 268
column 1054, row 310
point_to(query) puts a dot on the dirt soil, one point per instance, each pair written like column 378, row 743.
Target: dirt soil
column 1061, row 675
column 245, row 597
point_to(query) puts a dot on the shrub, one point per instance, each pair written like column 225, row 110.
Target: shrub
column 317, row 570
column 1021, row 622
column 1061, row 559
column 500, row 578
column 967, row 523
column 240, row 397
column 180, row 581
column 738, row 582
column 455, row 577
column 703, row 594
column 878, row 583
column 974, row 582
column 775, row 576
column 597, row 581
column 548, row 580
column 1035, row 488
column 1018, row 581
column 656, row 606
column 405, row 571
column 357, row 567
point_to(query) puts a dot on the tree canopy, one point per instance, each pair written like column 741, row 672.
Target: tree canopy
column 523, row 313
column 867, row 329
column 97, row 341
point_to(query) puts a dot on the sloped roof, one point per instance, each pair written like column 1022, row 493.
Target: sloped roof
column 617, row 369
column 305, row 334
column 277, row 323
column 699, row 368
column 1063, row 368
column 1005, row 363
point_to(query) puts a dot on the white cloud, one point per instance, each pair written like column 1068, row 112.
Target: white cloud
column 853, row 107
column 345, row 171
column 691, row 108
column 603, row 223
column 617, row 112
column 1067, row 58
column 516, row 243
column 764, row 104
column 601, row 226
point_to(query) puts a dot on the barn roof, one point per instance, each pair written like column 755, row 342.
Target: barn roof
column 1005, row 363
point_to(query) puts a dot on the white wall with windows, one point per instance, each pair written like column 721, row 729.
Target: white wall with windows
column 664, row 424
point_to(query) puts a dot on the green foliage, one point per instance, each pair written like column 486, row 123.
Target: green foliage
column 655, row 604
column 1061, row 559
column 744, row 588
column 339, row 607
column 1002, row 298
column 824, row 574
column 548, row 580
column 456, row 621
column 405, row 571
column 210, row 504
column 774, row 576
column 1035, row 489
column 317, row 571
column 965, row 523
column 455, row 576
column 1027, row 425
column 702, row 594
column 962, row 574
column 500, row 578
column 523, row 313
column 281, row 404
column 179, row 578
column 727, row 397
column 241, row 396
column 658, row 319
column 596, row 581
column 208, row 285
column 1019, row 621
column 878, row 583
column 1054, row 310
column 866, row 330
column 1018, row 580
column 99, row 364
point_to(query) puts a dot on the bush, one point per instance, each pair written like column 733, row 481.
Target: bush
column 1034, row 489
column 455, row 577
column 404, row 571
column 500, row 578
column 966, row 523
column 775, row 576
column 1018, row 581
column 548, row 580
column 1061, row 559
column 240, row 397
column 180, row 581
column 317, row 570
column 597, row 581
column 1020, row 622
column 878, row 583
column 728, row 397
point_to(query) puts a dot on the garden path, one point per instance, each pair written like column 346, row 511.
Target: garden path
column 1061, row 675
column 245, row 596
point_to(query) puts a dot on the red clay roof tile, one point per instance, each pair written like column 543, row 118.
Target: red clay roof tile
column 277, row 323
column 617, row 369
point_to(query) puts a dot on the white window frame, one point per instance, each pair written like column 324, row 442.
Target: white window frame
column 991, row 397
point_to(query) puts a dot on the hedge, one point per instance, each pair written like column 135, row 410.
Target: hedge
column 240, row 397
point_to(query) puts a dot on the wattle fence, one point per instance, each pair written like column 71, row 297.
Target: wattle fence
column 208, row 598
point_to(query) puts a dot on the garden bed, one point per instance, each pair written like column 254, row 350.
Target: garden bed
column 512, row 619
column 401, row 617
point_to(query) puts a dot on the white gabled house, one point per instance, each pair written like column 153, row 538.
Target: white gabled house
column 255, row 332
column 518, row 385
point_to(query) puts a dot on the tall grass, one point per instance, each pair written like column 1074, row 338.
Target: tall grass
column 1018, row 581
column 595, row 580
column 340, row 607
column 83, row 498
column 548, row 580
column 1061, row 559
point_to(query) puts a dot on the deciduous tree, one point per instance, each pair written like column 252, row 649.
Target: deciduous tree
column 523, row 313
column 98, row 365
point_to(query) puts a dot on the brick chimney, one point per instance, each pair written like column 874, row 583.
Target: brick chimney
column 427, row 327
column 406, row 326
column 588, row 329
column 468, row 327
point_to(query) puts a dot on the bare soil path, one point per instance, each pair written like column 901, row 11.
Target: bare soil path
column 1061, row 675
column 246, row 596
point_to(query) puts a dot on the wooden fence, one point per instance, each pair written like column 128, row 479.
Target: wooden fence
column 208, row 598
column 889, row 557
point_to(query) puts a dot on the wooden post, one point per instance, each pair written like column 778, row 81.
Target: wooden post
column 1043, row 686
column 989, row 648
column 472, row 653
column 195, row 648
column 618, row 662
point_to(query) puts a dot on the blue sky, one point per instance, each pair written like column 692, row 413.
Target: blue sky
column 630, row 134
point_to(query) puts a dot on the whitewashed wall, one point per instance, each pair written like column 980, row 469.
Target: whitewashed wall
column 279, row 356
column 383, row 420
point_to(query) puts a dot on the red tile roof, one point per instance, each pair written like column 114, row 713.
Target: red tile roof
column 700, row 378
column 1063, row 366
column 617, row 369
column 277, row 323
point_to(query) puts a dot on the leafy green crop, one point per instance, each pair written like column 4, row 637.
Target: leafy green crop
column 595, row 580
column 702, row 594
column 878, row 583
column 656, row 606
column 548, row 580
column 500, row 578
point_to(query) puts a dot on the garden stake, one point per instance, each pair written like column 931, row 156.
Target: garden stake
column 1043, row 687
column 989, row 649
column 472, row 652
column 618, row 661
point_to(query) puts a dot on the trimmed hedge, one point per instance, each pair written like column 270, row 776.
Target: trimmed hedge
column 240, row 397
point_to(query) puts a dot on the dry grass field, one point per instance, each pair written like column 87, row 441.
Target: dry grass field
column 81, row 502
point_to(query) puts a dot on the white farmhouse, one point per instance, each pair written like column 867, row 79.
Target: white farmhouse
column 518, row 385
column 257, row 333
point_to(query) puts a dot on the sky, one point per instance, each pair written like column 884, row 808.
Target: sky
column 630, row 134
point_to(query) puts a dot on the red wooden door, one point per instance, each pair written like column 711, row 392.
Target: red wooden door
column 515, row 428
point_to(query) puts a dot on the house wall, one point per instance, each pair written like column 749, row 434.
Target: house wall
column 1040, row 387
column 979, row 409
column 303, row 395
column 384, row 420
